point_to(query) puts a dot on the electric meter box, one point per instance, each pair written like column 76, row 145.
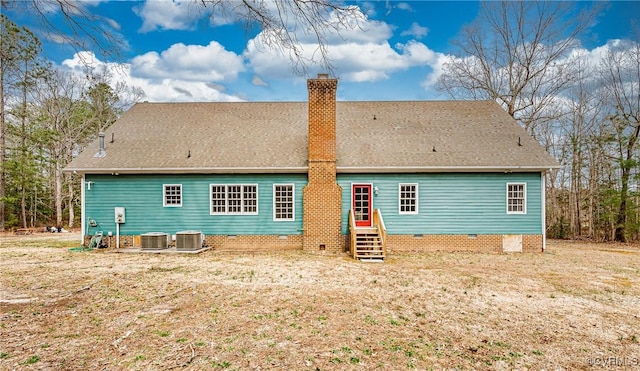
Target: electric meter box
column 119, row 213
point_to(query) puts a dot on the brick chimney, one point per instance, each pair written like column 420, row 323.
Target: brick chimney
column 322, row 196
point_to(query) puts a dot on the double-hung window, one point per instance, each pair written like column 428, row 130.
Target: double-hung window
column 516, row 198
column 283, row 202
column 236, row 199
column 250, row 199
column 218, row 199
column 408, row 198
column 172, row 195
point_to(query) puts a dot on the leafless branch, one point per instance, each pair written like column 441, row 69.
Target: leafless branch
column 80, row 28
column 283, row 23
column 518, row 54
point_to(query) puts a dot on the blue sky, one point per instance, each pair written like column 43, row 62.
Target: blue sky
column 174, row 55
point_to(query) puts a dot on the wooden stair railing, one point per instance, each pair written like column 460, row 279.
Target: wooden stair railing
column 378, row 223
column 367, row 243
column 352, row 234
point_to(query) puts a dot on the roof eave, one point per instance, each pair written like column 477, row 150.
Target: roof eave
column 304, row 169
column 444, row 169
column 191, row 170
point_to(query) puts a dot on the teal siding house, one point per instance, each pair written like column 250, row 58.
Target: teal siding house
column 371, row 178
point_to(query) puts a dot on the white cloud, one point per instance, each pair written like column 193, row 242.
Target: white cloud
column 368, row 31
column 361, row 54
column 417, row 53
column 112, row 23
column 366, row 62
column 266, row 61
column 594, row 56
column 190, row 63
column 405, row 6
column 202, row 72
column 402, row 6
column 436, row 65
column 376, row 62
column 59, row 38
column 358, row 54
column 578, row 58
column 416, row 31
column 217, row 87
column 172, row 90
column 166, row 15
column 368, row 8
column 257, row 81
column 83, row 60
column 168, row 89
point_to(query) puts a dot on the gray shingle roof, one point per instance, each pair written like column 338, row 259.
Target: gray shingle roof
column 272, row 137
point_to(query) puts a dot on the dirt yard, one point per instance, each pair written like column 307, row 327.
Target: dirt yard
column 577, row 306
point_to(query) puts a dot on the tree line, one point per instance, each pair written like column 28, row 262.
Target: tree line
column 582, row 106
column 47, row 116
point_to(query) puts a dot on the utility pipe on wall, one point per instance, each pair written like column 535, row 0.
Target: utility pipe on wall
column 119, row 214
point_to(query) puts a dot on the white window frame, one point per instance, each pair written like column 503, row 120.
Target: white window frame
column 164, row 195
column 524, row 198
column 293, row 202
column 223, row 199
column 400, row 211
column 242, row 200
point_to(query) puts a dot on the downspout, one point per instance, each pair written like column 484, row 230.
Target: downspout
column 544, row 209
column 83, row 222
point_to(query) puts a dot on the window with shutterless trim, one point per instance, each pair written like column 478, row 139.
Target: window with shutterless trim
column 516, row 198
column 172, row 195
column 283, row 202
column 408, row 198
column 233, row 199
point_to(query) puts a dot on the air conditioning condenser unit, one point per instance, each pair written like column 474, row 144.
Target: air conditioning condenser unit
column 189, row 240
column 154, row 240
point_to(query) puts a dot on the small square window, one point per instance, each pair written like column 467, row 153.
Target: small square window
column 172, row 195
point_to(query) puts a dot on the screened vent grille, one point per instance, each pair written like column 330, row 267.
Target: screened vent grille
column 189, row 240
column 154, row 240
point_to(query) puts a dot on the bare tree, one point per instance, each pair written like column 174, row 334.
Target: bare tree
column 73, row 109
column 30, row 71
column 521, row 54
column 583, row 134
column 280, row 24
column 7, row 62
column 621, row 79
column 19, row 48
column 58, row 99
column 517, row 53
column 81, row 28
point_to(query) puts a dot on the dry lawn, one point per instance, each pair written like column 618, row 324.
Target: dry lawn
column 574, row 307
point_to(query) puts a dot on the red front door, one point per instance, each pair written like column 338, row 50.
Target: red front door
column 361, row 202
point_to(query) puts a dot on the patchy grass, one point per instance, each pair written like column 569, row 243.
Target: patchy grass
column 43, row 240
column 573, row 307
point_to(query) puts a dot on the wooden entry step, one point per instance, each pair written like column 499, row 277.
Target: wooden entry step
column 369, row 244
